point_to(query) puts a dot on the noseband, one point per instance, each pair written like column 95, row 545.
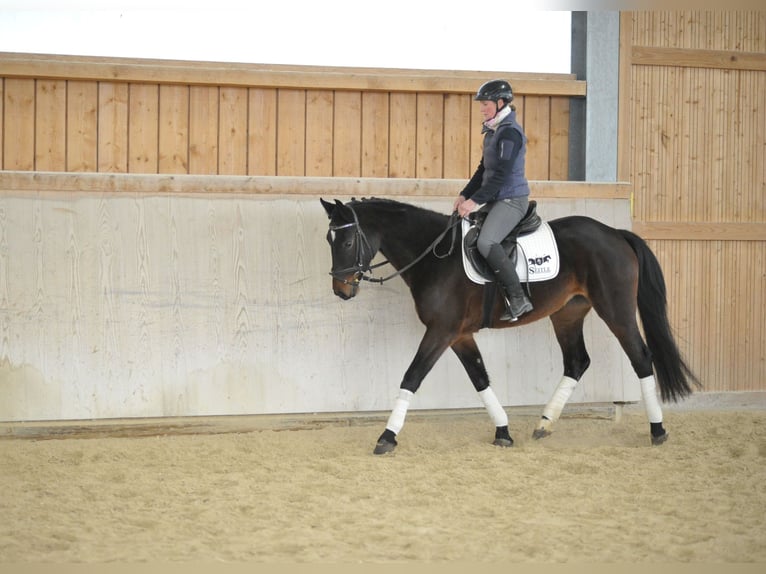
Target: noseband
column 363, row 248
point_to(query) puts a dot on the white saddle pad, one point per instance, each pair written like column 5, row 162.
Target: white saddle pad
column 537, row 256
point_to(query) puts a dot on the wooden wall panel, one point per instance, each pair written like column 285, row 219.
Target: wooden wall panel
column 2, row 116
column 536, row 123
column 19, row 125
column 320, row 117
column 50, row 125
column 430, row 136
column 174, row 129
column 719, row 334
column 457, row 136
column 143, row 128
column 112, row 127
column 223, row 119
column 698, row 167
column 82, row 126
column 476, row 137
column 262, row 132
column 291, row 144
column 403, row 135
column 347, row 135
column 558, row 157
column 203, row 129
column 701, row 30
column 683, row 175
column 375, row 134
column 232, row 136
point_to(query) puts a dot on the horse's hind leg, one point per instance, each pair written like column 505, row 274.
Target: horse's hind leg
column 619, row 314
column 568, row 326
column 468, row 353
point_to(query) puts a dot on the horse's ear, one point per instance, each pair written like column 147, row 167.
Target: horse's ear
column 328, row 207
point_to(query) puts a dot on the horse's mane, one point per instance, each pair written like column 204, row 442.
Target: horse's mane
column 393, row 206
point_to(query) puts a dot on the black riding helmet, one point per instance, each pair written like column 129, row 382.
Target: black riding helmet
column 495, row 90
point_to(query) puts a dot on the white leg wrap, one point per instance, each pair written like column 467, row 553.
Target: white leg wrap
column 494, row 408
column 552, row 410
column 652, row 404
column 397, row 416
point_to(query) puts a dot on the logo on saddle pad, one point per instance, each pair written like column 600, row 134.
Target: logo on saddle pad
column 536, row 254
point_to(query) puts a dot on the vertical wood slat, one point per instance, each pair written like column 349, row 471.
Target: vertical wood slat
column 233, row 128
column 173, row 134
column 262, row 132
column 112, row 127
column 430, row 136
column 347, row 142
column 403, row 135
column 50, row 125
column 143, row 128
column 375, row 134
column 477, row 139
column 558, row 150
column 537, row 128
column 82, row 126
column 19, row 126
column 291, row 144
column 203, row 129
column 2, row 119
column 457, row 137
column 320, row 113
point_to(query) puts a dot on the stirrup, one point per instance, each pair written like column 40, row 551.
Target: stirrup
column 509, row 315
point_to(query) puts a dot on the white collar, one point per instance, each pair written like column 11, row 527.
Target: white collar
column 491, row 124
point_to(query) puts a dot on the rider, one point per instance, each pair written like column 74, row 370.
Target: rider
column 500, row 182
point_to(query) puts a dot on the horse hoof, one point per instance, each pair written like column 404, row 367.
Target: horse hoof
column 540, row 433
column 384, row 447
column 658, row 440
column 504, row 442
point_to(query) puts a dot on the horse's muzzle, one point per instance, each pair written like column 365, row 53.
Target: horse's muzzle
column 346, row 289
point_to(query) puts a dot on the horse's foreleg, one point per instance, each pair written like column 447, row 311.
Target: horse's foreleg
column 470, row 357
column 555, row 405
column 432, row 346
column 568, row 325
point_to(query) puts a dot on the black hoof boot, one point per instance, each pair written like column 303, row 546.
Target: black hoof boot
column 386, row 443
column 502, row 437
column 658, row 440
column 659, row 435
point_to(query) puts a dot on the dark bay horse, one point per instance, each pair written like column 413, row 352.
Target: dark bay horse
column 612, row 271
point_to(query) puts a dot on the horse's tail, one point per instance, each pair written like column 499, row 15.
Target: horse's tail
column 674, row 377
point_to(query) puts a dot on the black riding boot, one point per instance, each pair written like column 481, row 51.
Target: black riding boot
column 516, row 300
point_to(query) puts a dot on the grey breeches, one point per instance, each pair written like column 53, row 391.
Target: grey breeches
column 503, row 217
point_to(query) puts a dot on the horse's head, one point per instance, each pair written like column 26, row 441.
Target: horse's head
column 351, row 250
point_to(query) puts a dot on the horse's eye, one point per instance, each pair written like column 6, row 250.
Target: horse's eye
column 348, row 243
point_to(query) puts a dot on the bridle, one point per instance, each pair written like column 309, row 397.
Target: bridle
column 363, row 248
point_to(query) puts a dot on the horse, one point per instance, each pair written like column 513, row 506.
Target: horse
column 610, row 270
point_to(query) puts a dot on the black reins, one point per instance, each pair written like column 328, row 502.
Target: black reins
column 360, row 268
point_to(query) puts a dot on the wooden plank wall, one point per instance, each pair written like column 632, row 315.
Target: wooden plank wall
column 694, row 146
column 85, row 114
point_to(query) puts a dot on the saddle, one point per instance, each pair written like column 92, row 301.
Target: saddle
column 528, row 224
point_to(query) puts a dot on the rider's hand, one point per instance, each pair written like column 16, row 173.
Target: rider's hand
column 466, row 207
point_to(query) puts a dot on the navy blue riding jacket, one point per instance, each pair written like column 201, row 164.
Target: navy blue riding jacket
column 500, row 174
